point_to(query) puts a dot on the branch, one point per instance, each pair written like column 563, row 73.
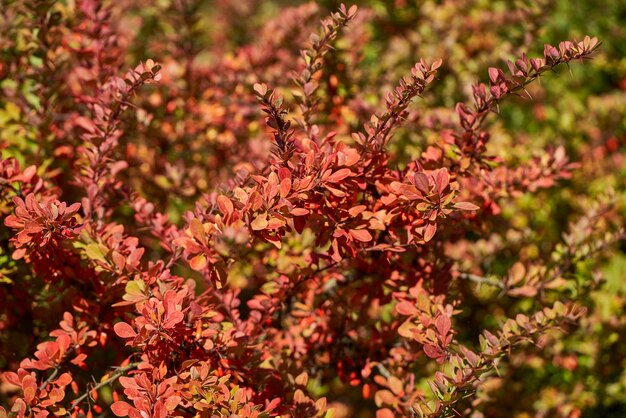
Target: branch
column 482, row 280
column 50, row 378
column 314, row 59
column 119, row 372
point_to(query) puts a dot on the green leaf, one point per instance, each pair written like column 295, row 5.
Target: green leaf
column 94, row 252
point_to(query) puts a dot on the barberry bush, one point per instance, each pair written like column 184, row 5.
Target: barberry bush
column 248, row 209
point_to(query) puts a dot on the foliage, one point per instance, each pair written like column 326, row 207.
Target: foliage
column 245, row 229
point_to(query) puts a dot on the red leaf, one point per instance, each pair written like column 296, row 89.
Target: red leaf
column 225, row 204
column 335, row 191
column 299, row 223
column 442, row 179
column 465, row 206
column 406, row 308
column 33, row 227
column 409, row 191
column 354, row 211
column 275, row 223
column 421, row 182
column 159, row 410
column 339, row 175
column 63, row 341
column 79, row 359
column 12, row 378
column 121, row 408
column 299, row 212
column 285, row 186
column 361, row 234
column 429, row 231
column 443, row 325
column 173, row 319
column 352, row 157
column 493, row 75
column 433, row 351
column 12, row 222
column 284, row 173
column 123, row 330
column 388, row 199
column 384, row 413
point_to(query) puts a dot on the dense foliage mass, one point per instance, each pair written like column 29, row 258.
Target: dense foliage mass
column 230, row 209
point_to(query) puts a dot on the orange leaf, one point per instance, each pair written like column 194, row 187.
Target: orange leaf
column 406, row 308
column 299, row 212
column 361, row 234
column 339, row 175
column 123, row 330
column 429, row 231
column 384, row 413
column 465, row 206
column 260, row 222
column 197, row 230
column 198, row 262
column 285, row 186
column 120, row 408
column 225, row 205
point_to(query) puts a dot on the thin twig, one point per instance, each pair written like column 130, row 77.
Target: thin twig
column 119, row 372
column 482, row 280
column 50, row 378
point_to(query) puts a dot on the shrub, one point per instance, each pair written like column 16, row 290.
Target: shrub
column 239, row 230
